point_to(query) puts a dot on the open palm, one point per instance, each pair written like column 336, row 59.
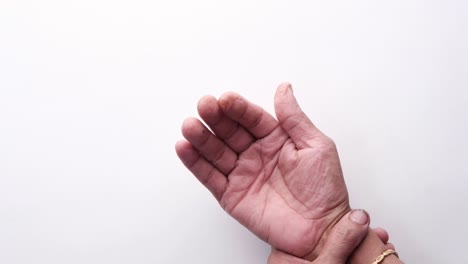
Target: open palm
column 281, row 178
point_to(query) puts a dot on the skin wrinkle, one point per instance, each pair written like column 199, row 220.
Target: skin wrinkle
column 322, row 154
column 232, row 133
column 286, row 201
column 272, row 131
column 328, row 229
column 240, row 100
column 297, row 198
column 266, row 161
column 283, row 150
column 326, row 214
column 195, row 162
column 230, row 106
column 216, row 122
column 206, row 135
column 265, row 179
column 219, row 154
column 210, row 175
column 244, row 194
column 263, row 163
column 233, row 168
column 257, row 121
column 215, row 159
column 315, row 193
column 222, row 200
column 228, row 139
column 263, row 215
column 295, row 123
column 262, row 177
column 292, row 208
column 218, row 119
column 288, row 188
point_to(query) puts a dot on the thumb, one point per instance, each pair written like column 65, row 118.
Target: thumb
column 345, row 236
column 291, row 117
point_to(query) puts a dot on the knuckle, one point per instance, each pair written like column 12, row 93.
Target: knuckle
column 329, row 144
column 326, row 146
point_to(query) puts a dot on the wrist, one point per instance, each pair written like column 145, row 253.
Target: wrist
column 334, row 217
column 279, row 257
column 369, row 249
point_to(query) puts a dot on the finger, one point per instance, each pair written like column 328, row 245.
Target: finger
column 292, row 119
column 390, row 246
column 233, row 134
column 212, row 149
column 346, row 236
column 208, row 175
column 252, row 117
column 382, row 234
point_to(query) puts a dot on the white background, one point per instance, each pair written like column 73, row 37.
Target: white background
column 93, row 92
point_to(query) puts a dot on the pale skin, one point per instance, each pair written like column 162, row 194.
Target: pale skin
column 276, row 176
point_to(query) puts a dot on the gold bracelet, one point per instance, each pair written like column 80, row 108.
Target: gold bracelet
column 387, row 252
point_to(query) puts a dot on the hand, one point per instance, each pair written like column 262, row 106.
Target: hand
column 281, row 178
column 344, row 238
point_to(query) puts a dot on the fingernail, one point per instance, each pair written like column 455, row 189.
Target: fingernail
column 224, row 102
column 287, row 89
column 359, row 217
